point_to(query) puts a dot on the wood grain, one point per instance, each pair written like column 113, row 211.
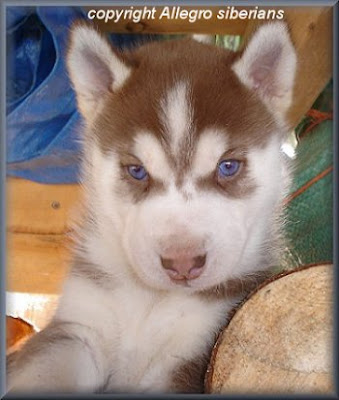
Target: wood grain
column 36, row 263
column 280, row 340
column 38, row 221
column 36, row 208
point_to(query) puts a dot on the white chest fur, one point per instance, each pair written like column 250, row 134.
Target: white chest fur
column 143, row 335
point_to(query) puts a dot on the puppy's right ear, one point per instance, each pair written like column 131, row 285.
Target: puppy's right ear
column 94, row 68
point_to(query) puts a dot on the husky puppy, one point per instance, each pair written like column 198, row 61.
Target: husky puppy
column 184, row 180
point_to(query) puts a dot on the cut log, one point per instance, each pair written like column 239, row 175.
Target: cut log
column 17, row 332
column 280, row 339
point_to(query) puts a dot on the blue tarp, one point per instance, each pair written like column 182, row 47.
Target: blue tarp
column 43, row 125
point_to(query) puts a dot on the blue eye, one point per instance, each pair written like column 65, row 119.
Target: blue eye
column 228, row 168
column 137, row 172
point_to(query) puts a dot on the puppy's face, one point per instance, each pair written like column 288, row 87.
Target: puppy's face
column 183, row 151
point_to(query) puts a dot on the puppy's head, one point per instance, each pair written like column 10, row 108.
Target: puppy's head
column 183, row 150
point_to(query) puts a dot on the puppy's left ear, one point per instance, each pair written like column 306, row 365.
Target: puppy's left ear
column 268, row 65
column 95, row 68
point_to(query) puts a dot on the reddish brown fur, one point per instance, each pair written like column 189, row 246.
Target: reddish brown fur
column 189, row 376
column 218, row 100
column 235, row 288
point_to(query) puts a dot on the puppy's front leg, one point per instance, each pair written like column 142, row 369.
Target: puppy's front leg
column 64, row 357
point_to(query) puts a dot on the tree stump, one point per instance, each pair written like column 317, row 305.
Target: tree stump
column 280, row 339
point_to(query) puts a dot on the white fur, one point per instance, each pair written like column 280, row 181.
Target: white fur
column 275, row 85
column 269, row 170
column 210, row 147
column 138, row 342
column 156, row 328
column 69, row 369
column 148, row 149
column 226, row 229
column 177, row 114
column 87, row 78
column 105, row 239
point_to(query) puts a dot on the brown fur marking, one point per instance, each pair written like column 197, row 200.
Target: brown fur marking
column 218, row 101
column 236, row 288
column 91, row 272
column 189, row 376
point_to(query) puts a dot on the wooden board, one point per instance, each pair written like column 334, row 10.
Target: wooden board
column 36, row 263
column 38, row 224
column 311, row 30
column 42, row 209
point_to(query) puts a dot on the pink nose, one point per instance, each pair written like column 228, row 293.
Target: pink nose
column 184, row 267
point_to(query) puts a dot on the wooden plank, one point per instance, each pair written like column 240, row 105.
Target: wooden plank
column 36, row 263
column 36, row 208
column 313, row 40
column 311, row 30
